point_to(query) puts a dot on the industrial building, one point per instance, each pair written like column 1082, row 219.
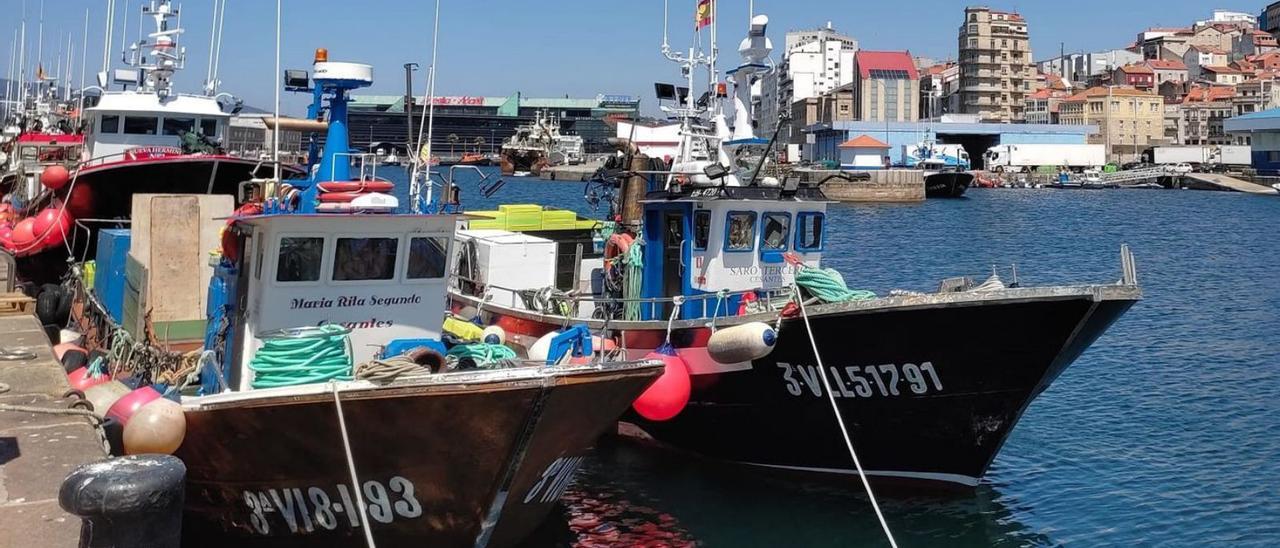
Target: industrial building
column 480, row 124
column 1262, row 131
column 975, row 137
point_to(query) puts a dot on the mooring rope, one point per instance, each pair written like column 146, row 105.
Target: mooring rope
column 303, row 356
column 351, row 467
column 828, row 285
column 840, row 420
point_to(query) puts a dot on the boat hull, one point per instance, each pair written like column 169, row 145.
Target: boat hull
column 928, row 392
column 454, row 465
column 522, row 160
column 947, row 184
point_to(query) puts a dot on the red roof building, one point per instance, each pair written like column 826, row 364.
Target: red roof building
column 864, row 141
column 887, row 87
column 1138, row 76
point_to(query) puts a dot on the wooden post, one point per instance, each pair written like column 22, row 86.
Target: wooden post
column 633, row 191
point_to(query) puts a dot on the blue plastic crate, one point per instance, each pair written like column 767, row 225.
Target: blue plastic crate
column 109, row 279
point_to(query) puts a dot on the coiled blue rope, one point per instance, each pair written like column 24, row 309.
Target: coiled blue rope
column 303, row 356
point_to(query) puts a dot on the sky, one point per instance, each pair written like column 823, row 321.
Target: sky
column 553, row 48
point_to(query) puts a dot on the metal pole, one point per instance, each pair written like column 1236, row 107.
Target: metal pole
column 275, row 133
column 408, row 106
column 106, row 35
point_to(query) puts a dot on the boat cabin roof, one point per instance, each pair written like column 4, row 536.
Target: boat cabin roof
column 140, row 101
column 739, row 193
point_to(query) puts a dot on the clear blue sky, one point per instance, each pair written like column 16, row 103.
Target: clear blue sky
column 557, row 47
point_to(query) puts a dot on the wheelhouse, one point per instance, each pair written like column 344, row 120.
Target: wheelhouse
column 382, row 277
column 127, row 121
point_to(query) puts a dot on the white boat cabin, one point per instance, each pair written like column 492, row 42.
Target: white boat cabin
column 129, row 121
column 383, row 277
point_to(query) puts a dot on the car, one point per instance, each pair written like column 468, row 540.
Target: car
column 1181, row 168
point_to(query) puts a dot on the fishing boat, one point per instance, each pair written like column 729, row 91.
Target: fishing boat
column 539, row 145
column 944, row 181
column 717, row 271
column 425, row 442
column 145, row 138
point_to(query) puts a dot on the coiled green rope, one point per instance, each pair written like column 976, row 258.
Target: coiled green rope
column 303, row 356
column 482, row 353
column 828, row 285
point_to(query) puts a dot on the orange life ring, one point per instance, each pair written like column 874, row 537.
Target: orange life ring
column 617, row 245
column 356, row 186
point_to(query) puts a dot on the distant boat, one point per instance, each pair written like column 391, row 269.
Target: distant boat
column 943, row 181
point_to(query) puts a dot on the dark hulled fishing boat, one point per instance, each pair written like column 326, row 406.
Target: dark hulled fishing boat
column 287, row 442
column 946, row 182
column 708, row 268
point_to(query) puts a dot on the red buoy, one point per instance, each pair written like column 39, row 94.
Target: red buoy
column 6, row 236
column 52, row 225
column 24, row 235
column 667, row 396
column 79, row 201
column 55, row 177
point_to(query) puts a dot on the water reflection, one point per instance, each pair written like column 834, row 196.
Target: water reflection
column 629, row 495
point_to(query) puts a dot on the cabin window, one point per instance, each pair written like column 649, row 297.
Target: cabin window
column 209, row 127
column 740, row 231
column 360, row 259
column 139, row 125
column 701, row 228
column 809, row 231
column 774, row 230
column 300, row 258
column 110, row 124
column 175, row 126
column 427, row 257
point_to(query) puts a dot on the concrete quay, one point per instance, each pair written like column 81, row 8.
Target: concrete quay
column 889, row 185
column 577, row 174
column 37, row 450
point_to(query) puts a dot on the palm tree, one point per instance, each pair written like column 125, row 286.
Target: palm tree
column 479, row 142
column 453, row 140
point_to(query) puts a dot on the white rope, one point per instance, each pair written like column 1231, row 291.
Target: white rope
column 351, row 467
column 840, row 420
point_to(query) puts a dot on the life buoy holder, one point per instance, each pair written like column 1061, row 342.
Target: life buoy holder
column 344, row 197
column 356, row 186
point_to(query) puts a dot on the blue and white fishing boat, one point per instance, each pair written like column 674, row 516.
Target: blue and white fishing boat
column 716, row 269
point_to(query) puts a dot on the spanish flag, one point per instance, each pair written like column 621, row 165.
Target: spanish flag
column 702, row 17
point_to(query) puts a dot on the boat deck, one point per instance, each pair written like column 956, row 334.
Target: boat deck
column 37, row 450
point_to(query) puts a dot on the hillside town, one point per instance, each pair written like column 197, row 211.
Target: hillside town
column 1165, row 86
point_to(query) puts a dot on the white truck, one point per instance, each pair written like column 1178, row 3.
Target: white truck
column 1202, row 156
column 1018, row 158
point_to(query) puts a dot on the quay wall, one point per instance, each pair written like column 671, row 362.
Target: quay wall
column 892, row 185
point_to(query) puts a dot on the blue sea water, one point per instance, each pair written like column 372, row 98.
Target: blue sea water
column 1165, row 433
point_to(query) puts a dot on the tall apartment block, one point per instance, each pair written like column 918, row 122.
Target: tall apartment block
column 996, row 71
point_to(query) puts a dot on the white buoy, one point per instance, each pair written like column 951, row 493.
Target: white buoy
column 742, row 343
column 494, row 335
column 70, row 336
column 540, row 348
column 105, row 395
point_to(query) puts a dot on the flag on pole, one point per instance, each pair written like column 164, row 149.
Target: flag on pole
column 40, row 75
column 702, row 17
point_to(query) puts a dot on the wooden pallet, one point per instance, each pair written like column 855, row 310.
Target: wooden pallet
column 16, row 304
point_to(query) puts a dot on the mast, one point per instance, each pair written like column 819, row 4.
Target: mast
column 22, row 61
column 275, row 133
column 106, row 37
column 415, row 182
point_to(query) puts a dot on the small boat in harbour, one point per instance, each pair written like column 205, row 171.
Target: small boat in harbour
column 942, row 181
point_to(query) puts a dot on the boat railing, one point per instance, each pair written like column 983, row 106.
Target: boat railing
column 771, row 299
column 367, row 163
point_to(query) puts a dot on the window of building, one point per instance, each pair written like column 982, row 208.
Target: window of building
column 209, row 127
column 427, row 257
column 809, row 231
column 299, row 259
column 740, row 231
column 359, row 259
column 176, row 126
column 110, row 123
column 140, row 125
column 701, row 228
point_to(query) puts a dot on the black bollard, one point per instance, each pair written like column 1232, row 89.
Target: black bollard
column 131, row 501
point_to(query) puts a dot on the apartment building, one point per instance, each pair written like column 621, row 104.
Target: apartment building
column 886, row 87
column 1129, row 120
column 1203, row 111
column 996, row 70
column 1257, row 94
column 814, row 62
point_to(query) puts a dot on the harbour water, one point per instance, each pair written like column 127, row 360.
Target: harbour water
column 1163, row 433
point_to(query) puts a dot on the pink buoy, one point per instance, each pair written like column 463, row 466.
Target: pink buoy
column 61, row 349
column 667, row 396
column 6, row 236
column 81, row 380
column 55, row 177
column 124, row 409
column 51, row 226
